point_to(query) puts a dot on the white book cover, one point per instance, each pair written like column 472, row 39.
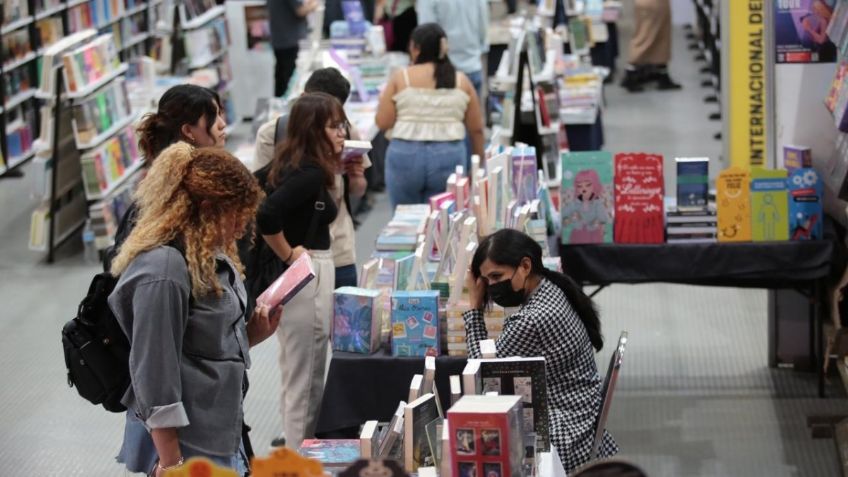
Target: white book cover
column 369, row 440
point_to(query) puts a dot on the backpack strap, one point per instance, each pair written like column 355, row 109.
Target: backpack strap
column 279, row 131
column 319, row 207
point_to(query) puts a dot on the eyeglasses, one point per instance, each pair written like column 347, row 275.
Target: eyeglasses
column 341, row 127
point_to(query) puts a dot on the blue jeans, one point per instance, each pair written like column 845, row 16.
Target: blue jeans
column 418, row 170
column 346, row 276
column 139, row 454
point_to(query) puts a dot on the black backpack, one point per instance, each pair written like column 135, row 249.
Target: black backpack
column 96, row 349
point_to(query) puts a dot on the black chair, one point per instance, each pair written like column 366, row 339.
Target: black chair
column 607, row 393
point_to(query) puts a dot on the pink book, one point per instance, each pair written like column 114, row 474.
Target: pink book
column 284, row 288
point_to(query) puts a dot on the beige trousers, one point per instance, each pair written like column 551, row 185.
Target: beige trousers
column 651, row 42
column 303, row 334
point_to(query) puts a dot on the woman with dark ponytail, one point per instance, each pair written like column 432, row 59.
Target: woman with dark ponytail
column 428, row 107
column 186, row 112
column 555, row 320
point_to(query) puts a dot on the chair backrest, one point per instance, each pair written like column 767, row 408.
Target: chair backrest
column 607, row 392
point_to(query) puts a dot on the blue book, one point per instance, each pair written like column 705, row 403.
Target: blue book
column 356, row 320
column 415, row 323
column 806, row 214
column 693, row 182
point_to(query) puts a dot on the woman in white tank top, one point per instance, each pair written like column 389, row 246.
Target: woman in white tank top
column 427, row 108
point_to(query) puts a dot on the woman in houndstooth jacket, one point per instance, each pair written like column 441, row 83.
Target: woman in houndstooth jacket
column 557, row 321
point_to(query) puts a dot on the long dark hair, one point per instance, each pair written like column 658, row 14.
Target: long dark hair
column 429, row 39
column 508, row 247
column 181, row 104
column 306, row 139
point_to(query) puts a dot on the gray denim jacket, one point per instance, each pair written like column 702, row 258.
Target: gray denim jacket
column 189, row 355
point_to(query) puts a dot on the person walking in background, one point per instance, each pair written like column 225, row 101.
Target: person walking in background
column 295, row 219
column 650, row 47
column 428, row 107
column 350, row 182
column 466, row 24
column 288, row 27
column 399, row 18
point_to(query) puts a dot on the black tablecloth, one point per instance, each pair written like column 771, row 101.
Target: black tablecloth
column 585, row 137
column 751, row 265
column 364, row 387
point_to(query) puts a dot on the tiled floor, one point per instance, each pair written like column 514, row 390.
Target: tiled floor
column 695, row 398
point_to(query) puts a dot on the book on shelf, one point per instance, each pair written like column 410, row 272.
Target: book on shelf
column 196, row 8
column 369, row 440
column 401, row 233
column 733, row 205
column 796, row 157
column 90, row 63
column 524, row 173
column 486, row 437
column 356, row 320
column 50, row 30
column 417, row 415
column 204, row 44
column 14, row 10
column 107, row 165
column 692, row 182
column 80, row 17
column 289, row 283
column 331, row 453
column 639, row 192
column 587, row 198
column 98, row 113
column 524, row 377
column 16, row 47
column 806, row 196
column 769, row 205
column 392, row 440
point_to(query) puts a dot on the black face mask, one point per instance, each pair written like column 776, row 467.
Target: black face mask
column 503, row 294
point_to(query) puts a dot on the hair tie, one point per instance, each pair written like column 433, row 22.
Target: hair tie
column 443, row 48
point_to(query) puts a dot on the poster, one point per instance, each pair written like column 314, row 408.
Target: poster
column 800, row 28
column 746, row 77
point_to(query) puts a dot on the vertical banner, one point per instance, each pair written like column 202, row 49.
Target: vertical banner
column 746, row 82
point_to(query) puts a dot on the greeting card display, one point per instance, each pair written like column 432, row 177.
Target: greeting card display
column 415, row 323
column 733, row 205
column 356, row 320
column 587, row 199
column 806, row 191
column 769, row 205
column 639, row 198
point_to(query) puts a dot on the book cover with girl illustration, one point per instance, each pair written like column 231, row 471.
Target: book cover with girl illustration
column 587, row 198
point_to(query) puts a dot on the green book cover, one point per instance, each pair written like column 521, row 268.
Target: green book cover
column 105, row 119
column 587, row 197
column 769, row 205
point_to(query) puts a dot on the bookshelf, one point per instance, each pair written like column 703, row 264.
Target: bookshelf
column 29, row 29
column 87, row 147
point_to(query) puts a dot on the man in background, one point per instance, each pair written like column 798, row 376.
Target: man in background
column 466, row 24
column 288, row 27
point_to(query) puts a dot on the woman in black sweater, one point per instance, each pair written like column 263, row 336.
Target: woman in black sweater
column 295, row 219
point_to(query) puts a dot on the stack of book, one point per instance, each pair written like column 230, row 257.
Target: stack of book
column 90, row 63
column 401, row 233
column 456, row 342
column 691, row 226
column 110, row 164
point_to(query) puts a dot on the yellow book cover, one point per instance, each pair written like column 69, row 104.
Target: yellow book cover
column 733, row 205
column 285, row 461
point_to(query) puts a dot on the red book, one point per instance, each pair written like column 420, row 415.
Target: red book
column 486, row 437
column 284, row 288
column 639, row 198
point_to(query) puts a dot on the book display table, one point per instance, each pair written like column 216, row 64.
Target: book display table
column 803, row 266
column 362, row 387
column 586, row 137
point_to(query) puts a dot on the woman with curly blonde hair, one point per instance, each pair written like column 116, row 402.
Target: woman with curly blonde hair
column 181, row 301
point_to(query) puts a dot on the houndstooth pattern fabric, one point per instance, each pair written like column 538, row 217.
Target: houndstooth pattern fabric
column 547, row 326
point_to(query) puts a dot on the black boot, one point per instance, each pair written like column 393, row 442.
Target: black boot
column 633, row 79
column 664, row 81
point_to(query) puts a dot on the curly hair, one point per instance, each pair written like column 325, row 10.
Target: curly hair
column 201, row 198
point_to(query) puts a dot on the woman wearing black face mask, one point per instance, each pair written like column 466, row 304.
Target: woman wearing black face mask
column 557, row 321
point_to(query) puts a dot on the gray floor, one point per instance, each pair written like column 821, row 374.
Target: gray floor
column 695, row 397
